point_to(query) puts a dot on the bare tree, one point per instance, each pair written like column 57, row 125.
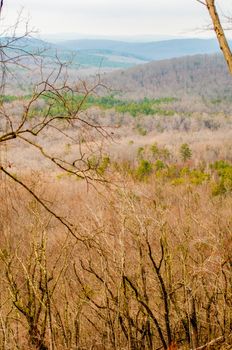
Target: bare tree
column 62, row 111
column 218, row 28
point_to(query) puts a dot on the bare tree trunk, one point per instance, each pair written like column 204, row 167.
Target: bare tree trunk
column 220, row 33
column 1, row 6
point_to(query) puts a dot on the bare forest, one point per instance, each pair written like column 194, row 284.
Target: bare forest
column 115, row 203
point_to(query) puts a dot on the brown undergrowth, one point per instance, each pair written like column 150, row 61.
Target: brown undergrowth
column 150, row 268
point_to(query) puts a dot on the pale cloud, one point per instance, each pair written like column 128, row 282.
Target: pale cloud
column 114, row 17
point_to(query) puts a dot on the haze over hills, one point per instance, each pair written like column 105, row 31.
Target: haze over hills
column 156, row 50
column 205, row 76
column 80, row 58
column 58, row 37
column 119, row 54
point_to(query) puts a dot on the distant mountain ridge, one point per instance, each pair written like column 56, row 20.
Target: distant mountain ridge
column 157, row 50
column 93, row 58
column 59, row 37
column 119, row 54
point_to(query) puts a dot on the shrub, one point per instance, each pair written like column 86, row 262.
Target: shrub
column 224, row 172
column 142, row 131
column 197, row 177
column 154, row 149
column 218, row 189
column 185, row 152
column 162, row 153
column 144, row 169
column 159, row 165
column 140, row 152
column 103, row 165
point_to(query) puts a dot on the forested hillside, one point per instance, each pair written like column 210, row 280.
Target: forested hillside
column 200, row 75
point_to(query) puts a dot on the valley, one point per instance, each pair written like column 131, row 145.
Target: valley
column 116, row 197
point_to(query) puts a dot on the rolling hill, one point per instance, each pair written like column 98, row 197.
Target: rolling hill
column 80, row 58
column 148, row 51
column 205, row 76
column 200, row 75
column 113, row 54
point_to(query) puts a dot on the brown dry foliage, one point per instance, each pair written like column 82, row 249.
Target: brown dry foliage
column 151, row 267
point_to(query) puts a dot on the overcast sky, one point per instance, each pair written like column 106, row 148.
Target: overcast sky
column 114, row 17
